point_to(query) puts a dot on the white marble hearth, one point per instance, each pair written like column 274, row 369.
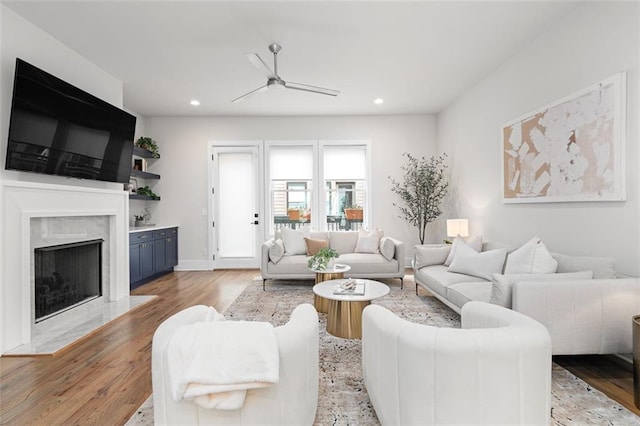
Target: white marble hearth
column 75, row 329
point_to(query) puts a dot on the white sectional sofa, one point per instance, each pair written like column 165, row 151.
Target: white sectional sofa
column 585, row 305
column 285, row 257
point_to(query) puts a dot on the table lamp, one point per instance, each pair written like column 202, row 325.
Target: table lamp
column 457, row 228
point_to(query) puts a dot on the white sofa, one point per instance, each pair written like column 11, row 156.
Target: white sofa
column 387, row 262
column 293, row 400
column 496, row 370
column 583, row 316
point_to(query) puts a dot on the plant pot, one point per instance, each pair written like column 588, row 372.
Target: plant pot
column 139, row 223
column 353, row 214
column 294, row 214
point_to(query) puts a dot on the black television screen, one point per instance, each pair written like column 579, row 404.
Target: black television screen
column 58, row 129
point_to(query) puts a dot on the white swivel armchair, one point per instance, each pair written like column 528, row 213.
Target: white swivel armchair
column 495, row 370
column 293, row 400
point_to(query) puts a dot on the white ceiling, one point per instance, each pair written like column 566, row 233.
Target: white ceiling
column 419, row 56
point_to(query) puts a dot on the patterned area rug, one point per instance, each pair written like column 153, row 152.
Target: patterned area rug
column 343, row 399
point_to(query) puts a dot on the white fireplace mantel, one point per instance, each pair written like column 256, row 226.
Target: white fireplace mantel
column 22, row 201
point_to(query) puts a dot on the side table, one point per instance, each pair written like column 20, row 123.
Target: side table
column 337, row 272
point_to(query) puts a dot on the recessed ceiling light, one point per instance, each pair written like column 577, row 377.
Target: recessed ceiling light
column 378, row 101
column 195, row 102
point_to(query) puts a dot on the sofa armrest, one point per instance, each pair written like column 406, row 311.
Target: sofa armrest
column 399, row 253
column 582, row 316
column 264, row 254
column 429, row 254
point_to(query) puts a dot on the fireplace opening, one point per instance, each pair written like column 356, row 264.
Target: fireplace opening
column 66, row 275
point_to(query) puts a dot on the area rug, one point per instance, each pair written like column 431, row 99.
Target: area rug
column 343, row 399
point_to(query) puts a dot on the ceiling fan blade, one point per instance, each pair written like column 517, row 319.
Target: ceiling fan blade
column 260, row 64
column 313, row 89
column 253, row 92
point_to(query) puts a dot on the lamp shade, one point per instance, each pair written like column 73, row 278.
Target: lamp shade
column 457, row 228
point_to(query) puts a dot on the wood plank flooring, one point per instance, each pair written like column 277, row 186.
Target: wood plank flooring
column 104, row 378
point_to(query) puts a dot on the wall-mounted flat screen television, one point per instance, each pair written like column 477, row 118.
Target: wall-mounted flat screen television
column 59, row 129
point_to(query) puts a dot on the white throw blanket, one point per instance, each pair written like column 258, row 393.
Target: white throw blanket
column 214, row 363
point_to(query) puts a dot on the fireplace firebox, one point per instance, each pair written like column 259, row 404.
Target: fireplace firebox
column 66, row 275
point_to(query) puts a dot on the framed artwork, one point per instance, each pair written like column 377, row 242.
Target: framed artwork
column 569, row 150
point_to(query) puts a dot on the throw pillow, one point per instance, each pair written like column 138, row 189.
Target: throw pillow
column 276, row 251
column 501, row 291
column 293, row 241
column 481, row 265
column 431, row 254
column 343, row 241
column 368, row 241
column 475, row 243
column 602, row 267
column 531, row 258
column 314, row 246
column 387, row 248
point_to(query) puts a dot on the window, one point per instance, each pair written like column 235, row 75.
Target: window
column 291, row 185
column 344, row 172
column 329, row 174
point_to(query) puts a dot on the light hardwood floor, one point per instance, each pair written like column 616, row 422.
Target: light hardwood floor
column 104, row 378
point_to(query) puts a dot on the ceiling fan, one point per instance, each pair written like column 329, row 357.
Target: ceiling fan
column 274, row 80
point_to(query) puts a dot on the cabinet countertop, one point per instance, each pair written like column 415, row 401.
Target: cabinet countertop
column 133, row 229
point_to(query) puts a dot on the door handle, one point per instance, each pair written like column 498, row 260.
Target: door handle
column 255, row 222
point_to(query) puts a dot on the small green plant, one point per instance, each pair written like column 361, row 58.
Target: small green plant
column 146, row 191
column 150, row 145
column 320, row 260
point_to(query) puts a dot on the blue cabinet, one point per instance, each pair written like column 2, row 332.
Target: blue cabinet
column 151, row 254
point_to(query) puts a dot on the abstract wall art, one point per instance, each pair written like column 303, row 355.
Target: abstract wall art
column 569, row 150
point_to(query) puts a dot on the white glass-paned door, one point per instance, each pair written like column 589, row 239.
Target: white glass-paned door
column 236, row 204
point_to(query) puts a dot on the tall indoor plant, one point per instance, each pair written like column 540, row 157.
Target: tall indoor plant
column 421, row 191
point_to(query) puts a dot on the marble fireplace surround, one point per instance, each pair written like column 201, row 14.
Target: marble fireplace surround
column 35, row 212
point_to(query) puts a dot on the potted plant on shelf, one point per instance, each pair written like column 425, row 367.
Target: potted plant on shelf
column 322, row 260
column 150, row 145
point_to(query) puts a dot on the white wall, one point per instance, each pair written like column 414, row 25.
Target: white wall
column 592, row 43
column 183, row 146
column 21, row 39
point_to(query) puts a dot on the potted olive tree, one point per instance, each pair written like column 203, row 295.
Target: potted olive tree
column 421, row 191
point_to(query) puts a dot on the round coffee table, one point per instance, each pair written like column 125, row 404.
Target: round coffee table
column 338, row 270
column 344, row 315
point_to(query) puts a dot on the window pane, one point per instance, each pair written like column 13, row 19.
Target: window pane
column 345, row 162
column 291, row 163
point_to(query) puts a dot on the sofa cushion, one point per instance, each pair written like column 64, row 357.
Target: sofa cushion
column 475, row 243
column 602, row 267
column 368, row 263
column 343, row 241
column 430, row 254
column 368, row 241
column 501, row 288
column 276, row 251
column 531, row 258
column 387, row 248
column 290, row 265
column 293, row 241
column 314, row 246
column 438, row 278
column 482, row 265
column 461, row 293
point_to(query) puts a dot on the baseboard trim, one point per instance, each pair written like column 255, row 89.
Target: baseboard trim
column 192, row 265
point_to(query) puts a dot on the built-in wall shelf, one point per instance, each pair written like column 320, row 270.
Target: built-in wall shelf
column 141, row 152
column 142, row 197
column 144, row 175
column 139, row 172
